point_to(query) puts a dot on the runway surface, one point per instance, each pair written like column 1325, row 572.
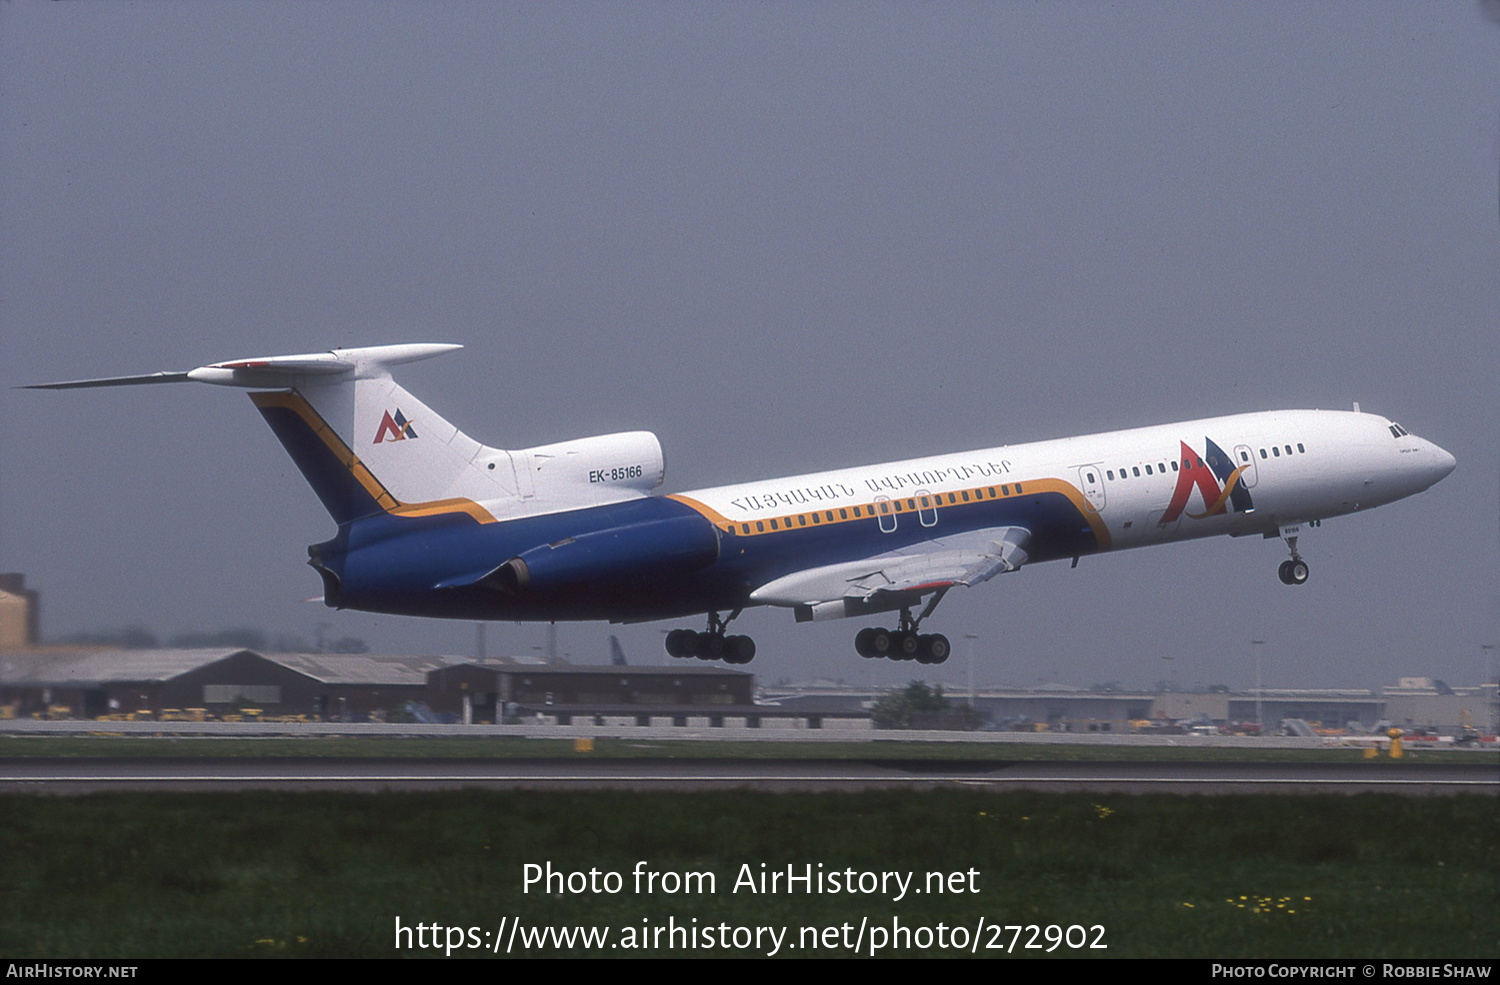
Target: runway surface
column 86, row 775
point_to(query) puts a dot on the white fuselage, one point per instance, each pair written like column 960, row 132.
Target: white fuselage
column 1291, row 466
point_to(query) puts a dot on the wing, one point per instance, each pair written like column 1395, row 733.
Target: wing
column 898, row 578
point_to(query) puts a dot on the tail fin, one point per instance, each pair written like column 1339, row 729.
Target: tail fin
column 344, row 421
column 367, row 446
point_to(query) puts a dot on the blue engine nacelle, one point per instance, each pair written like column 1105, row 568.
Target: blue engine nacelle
column 619, row 555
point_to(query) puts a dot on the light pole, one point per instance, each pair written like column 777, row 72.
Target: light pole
column 973, row 644
column 1165, row 685
column 1260, row 725
column 1484, row 676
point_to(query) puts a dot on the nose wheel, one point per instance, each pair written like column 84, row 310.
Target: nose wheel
column 1293, row 571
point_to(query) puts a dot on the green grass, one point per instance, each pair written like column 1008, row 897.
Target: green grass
column 328, row 874
column 516, row 747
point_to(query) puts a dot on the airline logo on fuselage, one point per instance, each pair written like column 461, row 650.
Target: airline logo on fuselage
column 394, row 428
column 1206, row 474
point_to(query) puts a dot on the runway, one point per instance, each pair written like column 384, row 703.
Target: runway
column 88, row 775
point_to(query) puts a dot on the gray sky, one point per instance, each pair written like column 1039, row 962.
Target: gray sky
column 784, row 237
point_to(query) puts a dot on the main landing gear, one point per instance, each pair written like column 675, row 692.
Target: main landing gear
column 1294, row 570
column 712, row 644
column 905, row 643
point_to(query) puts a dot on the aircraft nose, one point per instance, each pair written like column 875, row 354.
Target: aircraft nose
column 1443, row 463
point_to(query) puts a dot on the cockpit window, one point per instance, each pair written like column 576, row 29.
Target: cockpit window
column 1397, row 431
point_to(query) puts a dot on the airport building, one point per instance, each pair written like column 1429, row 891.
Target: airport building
column 93, row 682
column 109, row 682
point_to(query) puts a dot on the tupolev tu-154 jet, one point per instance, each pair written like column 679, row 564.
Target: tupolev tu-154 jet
column 433, row 523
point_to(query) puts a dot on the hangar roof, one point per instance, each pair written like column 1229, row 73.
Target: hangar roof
column 87, row 666
column 62, row 666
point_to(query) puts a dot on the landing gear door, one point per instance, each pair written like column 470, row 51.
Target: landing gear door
column 1091, row 481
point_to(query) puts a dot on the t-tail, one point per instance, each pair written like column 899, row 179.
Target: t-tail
column 375, row 455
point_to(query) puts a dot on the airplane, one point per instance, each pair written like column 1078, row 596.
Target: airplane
column 433, row 523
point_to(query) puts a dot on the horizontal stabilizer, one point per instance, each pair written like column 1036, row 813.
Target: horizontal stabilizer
column 267, row 372
column 110, row 381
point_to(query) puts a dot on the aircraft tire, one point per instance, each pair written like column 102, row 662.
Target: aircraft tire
column 682, row 643
column 863, row 643
column 1297, row 572
column 881, row 643
column 711, row 646
column 905, row 646
column 935, row 648
column 1284, row 572
column 741, row 650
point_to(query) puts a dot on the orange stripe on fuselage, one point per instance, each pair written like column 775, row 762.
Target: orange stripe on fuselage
column 828, row 516
column 296, row 403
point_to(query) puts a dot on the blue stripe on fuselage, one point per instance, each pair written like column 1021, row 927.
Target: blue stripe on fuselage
column 390, row 563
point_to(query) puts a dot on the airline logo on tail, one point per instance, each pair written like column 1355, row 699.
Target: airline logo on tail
column 1206, row 474
column 396, row 428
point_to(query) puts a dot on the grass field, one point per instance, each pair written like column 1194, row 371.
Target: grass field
column 329, row 874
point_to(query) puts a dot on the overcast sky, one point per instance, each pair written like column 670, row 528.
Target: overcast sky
column 784, row 237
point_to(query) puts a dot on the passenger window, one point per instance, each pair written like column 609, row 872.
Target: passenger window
column 1288, row 449
column 966, row 495
column 1174, row 465
column 745, row 527
column 815, row 519
column 1275, row 451
column 801, row 520
column 1262, row 453
column 1148, row 470
column 1301, row 449
column 773, row 524
column 1244, row 456
column 1091, row 477
column 1005, row 490
column 843, row 514
column 1110, row 473
column 1136, row 469
column 1018, row 489
column 760, row 525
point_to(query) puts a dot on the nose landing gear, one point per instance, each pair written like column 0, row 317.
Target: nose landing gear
column 1293, row 571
